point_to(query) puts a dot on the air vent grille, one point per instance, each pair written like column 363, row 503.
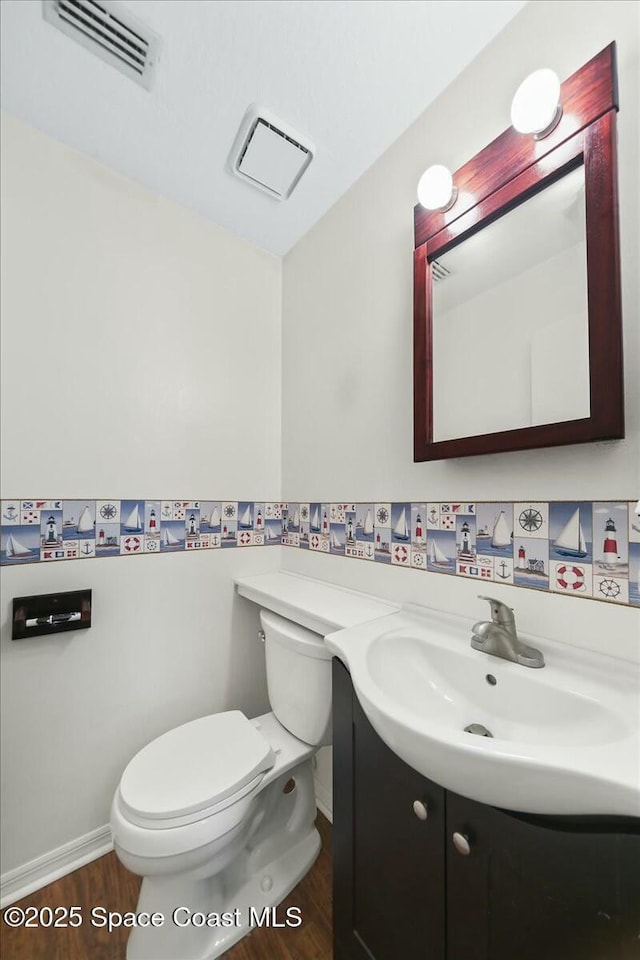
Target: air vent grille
column 438, row 272
column 269, row 154
column 110, row 32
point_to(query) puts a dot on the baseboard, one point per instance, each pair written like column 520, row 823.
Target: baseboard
column 324, row 800
column 24, row 880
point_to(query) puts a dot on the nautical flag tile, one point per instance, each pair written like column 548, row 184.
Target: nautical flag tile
column 614, row 589
column 31, row 515
column 572, row 577
column 531, row 520
column 65, row 551
column 360, row 550
column 179, row 510
column 291, row 539
column 107, row 511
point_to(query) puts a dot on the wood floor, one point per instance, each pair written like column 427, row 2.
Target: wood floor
column 106, row 882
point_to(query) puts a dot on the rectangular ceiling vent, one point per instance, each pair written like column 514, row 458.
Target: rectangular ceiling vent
column 439, row 272
column 111, row 32
column 269, row 154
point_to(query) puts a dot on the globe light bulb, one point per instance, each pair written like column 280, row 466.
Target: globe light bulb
column 435, row 188
column 535, row 108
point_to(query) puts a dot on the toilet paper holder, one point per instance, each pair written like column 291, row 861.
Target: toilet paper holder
column 48, row 613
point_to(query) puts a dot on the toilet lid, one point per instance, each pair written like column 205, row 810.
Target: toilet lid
column 195, row 766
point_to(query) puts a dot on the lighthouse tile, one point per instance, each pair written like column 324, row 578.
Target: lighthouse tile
column 51, row 528
column 152, row 515
column 192, row 523
column 571, row 531
column 107, row 539
column 572, row 577
column 531, row 520
column 229, row 530
column 466, row 538
column 531, row 562
column 634, row 521
column 613, row 589
column 350, row 526
column 418, row 527
column 78, row 519
column 610, row 539
column 258, row 517
column 107, row 511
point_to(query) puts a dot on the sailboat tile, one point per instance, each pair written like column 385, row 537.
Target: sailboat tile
column 86, row 549
column 634, row 521
column 531, row 520
column 19, row 544
column 382, row 516
column 572, row 577
column 571, row 531
column 466, row 538
column 107, row 511
column 132, row 517
column 151, row 544
column 172, row 536
column 432, row 518
column 365, row 522
column 78, row 519
column 210, row 516
column 337, row 539
column 107, row 539
column 494, row 529
column 131, row 543
column 502, row 569
column 418, row 527
column 610, row 539
column 293, row 518
column 152, row 514
column 441, row 551
column 634, row 573
column 401, row 554
column 401, row 523
column 272, row 531
column 245, row 515
column 613, row 589
column 315, row 518
column 531, row 562
column 10, row 512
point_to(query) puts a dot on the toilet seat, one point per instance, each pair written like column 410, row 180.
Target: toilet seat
column 194, row 770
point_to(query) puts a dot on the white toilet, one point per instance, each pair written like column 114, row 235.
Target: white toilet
column 218, row 815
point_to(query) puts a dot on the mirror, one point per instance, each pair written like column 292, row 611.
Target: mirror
column 517, row 303
column 510, row 319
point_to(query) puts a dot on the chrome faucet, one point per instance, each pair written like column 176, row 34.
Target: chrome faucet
column 499, row 637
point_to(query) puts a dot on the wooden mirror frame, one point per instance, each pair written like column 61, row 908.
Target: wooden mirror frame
column 509, row 170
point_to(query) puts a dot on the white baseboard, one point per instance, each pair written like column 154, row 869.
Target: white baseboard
column 24, row 880
column 324, row 800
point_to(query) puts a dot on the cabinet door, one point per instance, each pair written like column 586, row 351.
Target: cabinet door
column 388, row 864
column 541, row 887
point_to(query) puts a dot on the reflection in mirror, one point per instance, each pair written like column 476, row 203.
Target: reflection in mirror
column 510, row 319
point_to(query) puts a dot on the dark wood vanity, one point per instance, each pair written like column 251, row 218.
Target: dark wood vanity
column 530, row 888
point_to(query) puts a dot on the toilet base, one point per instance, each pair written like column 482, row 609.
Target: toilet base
column 203, row 916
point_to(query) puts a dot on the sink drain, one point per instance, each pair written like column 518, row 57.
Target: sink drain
column 478, row 729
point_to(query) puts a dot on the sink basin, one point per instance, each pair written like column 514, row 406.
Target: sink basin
column 564, row 739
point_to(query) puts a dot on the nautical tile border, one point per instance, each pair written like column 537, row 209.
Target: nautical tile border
column 580, row 548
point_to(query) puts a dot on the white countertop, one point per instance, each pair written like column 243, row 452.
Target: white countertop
column 319, row 606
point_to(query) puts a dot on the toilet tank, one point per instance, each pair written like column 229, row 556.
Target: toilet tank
column 298, row 678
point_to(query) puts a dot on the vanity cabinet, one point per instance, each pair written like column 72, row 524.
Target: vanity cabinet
column 531, row 887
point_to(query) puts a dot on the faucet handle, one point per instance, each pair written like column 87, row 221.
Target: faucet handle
column 500, row 612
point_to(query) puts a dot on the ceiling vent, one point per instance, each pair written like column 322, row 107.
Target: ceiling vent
column 111, row 32
column 438, row 271
column 269, row 154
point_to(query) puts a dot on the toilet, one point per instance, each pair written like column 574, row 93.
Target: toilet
column 218, row 815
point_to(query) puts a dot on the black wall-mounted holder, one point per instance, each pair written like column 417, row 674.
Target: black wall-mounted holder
column 50, row 613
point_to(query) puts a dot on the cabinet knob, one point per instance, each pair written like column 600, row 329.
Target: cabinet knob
column 461, row 843
column 420, row 809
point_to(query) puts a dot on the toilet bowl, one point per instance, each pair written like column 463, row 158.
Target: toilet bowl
column 218, row 815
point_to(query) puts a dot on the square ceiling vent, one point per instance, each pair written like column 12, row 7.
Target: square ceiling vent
column 269, row 154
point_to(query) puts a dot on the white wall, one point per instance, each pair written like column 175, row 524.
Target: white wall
column 141, row 358
column 347, row 336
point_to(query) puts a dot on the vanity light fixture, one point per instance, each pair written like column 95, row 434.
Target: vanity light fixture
column 535, row 108
column 436, row 190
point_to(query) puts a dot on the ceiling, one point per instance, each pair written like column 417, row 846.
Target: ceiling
column 351, row 75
